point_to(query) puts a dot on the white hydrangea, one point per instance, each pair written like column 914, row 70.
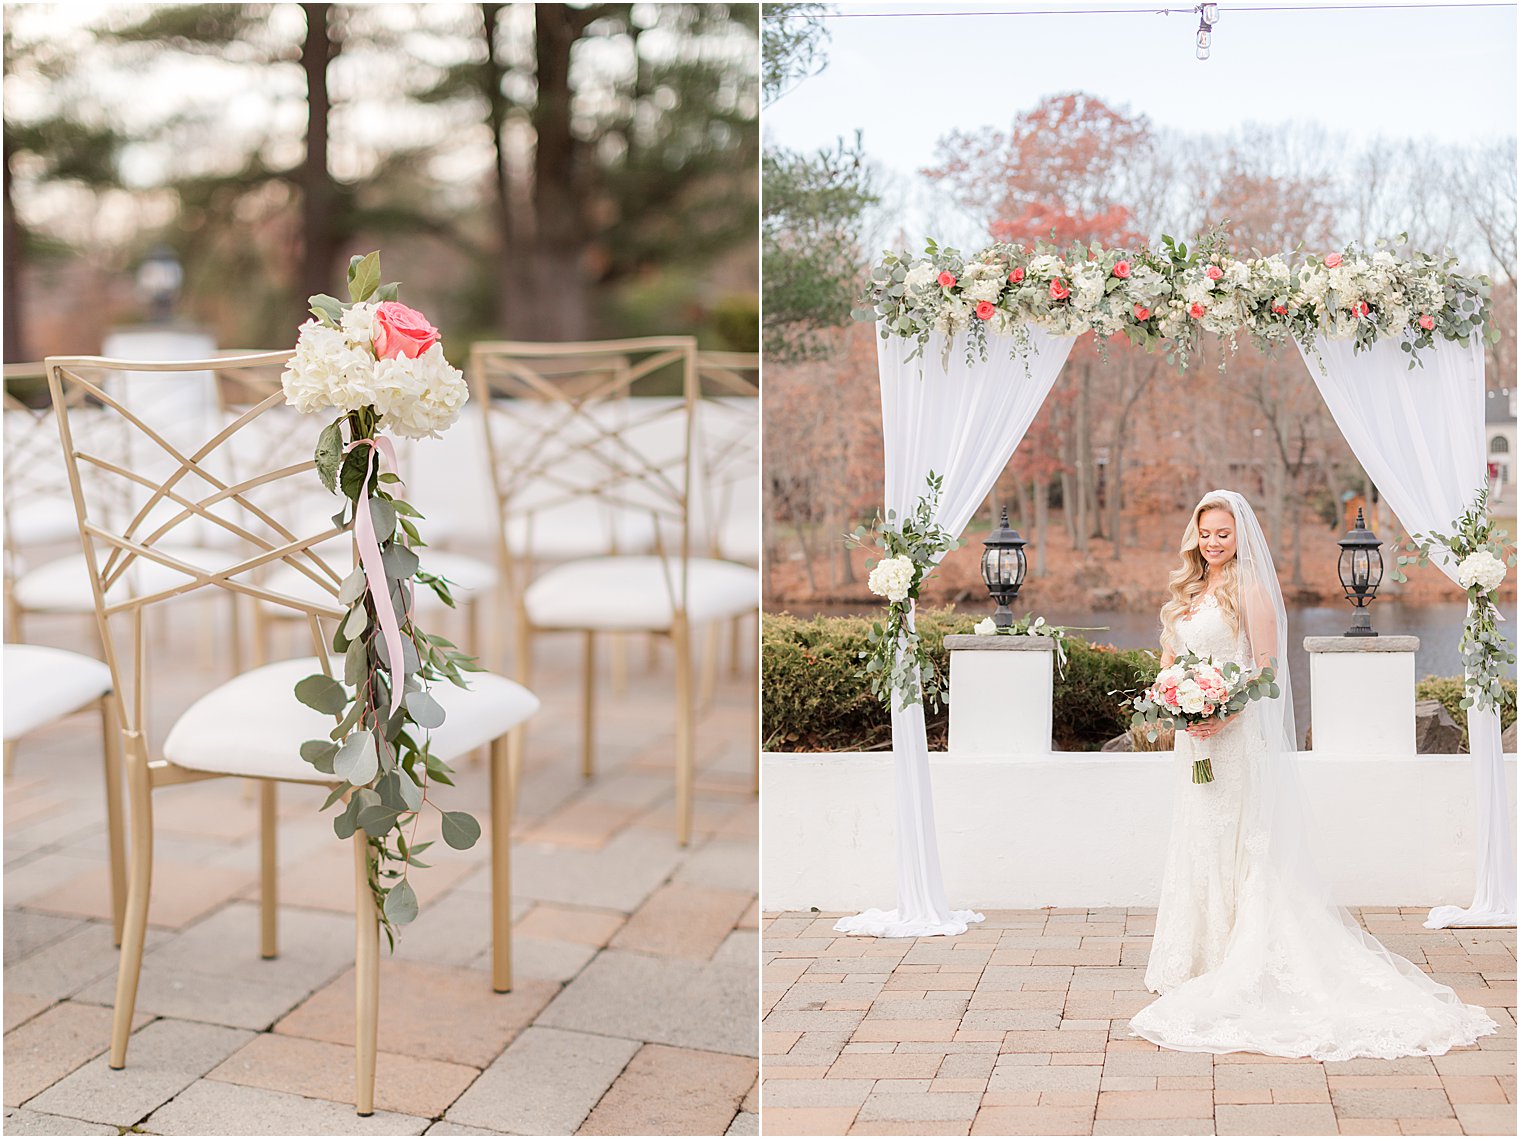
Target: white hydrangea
column 1482, row 569
column 1045, row 266
column 919, row 276
column 986, row 627
column 1238, row 273
column 359, row 323
column 419, row 398
column 985, row 290
column 328, row 370
column 892, row 578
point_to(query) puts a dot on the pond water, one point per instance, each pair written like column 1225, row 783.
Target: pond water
column 1439, row 627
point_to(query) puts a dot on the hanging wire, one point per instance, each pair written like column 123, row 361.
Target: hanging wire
column 1146, row 11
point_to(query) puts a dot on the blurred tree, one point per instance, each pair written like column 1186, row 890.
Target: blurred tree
column 810, row 245
column 56, row 143
column 791, row 46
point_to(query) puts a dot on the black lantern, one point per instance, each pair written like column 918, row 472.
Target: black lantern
column 1003, row 567
column 1361, row 570
column 159, row 278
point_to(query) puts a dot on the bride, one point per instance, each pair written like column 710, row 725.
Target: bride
column 1250, row 953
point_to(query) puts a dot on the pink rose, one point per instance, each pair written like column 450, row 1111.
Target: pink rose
column 1213, row 272
column 1195, row 310
column 1427, row 322
column 1361, row 308
column 401, row 331
column 985, row 309
column 947, row 280
column 1332, row 260
column 1016, row 276
column 1280, row 310
column 1058, row 290
column 1121, row 270
column 1142, row 313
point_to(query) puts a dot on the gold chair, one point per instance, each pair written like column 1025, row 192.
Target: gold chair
column 251, row 727
column 601, row 433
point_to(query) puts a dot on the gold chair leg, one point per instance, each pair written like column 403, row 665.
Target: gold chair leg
column 366, row 980
column 116, row 842
column 681, row 633
column 139, row 886
column 502, row 790
column 711, row 633
column 736, row 645
column 516, row 739
column 269, row 870
column 588, row 706
column 619, row 664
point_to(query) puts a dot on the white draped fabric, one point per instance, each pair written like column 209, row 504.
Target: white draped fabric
column 962, row 421
column 1419, row 435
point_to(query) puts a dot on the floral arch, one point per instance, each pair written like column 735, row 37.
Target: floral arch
column 971, row 345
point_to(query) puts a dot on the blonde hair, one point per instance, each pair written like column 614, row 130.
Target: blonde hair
column 1187, row 581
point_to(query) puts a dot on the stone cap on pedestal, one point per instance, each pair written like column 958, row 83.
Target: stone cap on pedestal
column 1005, row 642
column 1379, row 644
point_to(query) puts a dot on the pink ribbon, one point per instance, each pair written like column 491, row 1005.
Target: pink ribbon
column 374, row 568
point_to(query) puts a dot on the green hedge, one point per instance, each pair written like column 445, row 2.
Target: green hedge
column 813, row 701
column 1448, row 690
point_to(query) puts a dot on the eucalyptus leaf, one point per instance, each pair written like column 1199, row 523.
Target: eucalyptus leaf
column 460, row 830
column 383, row 515
column 376, row 819
column 319, row 753
column 426, row 711
column 322, row 693
column 355, row 664
column 356, row 622
column 345, row 824
column 353, row 586
column 357, row 760
column 400, row 904
column 400, row 563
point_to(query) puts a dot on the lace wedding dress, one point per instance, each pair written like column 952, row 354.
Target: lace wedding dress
column 1245, row 959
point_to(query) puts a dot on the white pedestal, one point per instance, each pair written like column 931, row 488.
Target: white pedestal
column 1361, row 694
column 1001, row 689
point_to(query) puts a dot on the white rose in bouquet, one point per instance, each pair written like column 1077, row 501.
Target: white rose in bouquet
column 892, row 578
column 1190, row 697
column 1482, row 569
column 919, row 276
column 985, row 290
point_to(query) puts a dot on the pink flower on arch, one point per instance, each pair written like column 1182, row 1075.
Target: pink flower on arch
column 947, row 280
column 1016, row 276
column 1280, row 310
column 1121, row 270
column 1332, row 260
column 1058, row 290
column 1142, row 313
column 985, row 309
column 1213, row 272
column 1427, row 322
column 1195, row 310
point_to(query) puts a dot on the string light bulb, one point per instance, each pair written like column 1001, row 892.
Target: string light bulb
column 1208, row 16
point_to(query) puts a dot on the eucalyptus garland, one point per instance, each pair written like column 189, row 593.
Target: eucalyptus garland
column 360, row 357
column 1482, row 558
column 1168, row 297
column 897, row 664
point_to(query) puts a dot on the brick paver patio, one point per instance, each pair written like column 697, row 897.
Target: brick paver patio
column 1020, row 1027
column 635, row 962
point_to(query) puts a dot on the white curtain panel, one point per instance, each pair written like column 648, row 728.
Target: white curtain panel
column 962, row 421
column 1419, row 434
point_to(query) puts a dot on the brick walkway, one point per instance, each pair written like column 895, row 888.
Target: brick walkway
column 1020, row 1027
column 635, row 963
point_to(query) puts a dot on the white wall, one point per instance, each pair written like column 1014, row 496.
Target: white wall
column 1089, row 829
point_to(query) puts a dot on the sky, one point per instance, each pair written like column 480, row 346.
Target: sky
column 905, row 81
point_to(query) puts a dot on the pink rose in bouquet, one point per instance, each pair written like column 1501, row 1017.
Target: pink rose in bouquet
column 402, row 331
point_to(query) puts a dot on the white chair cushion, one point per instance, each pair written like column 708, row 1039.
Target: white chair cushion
column 42, row 520
column 63, row 585
column 467, row 576
column 43, row 685
column 631, row 593
column 254, row 725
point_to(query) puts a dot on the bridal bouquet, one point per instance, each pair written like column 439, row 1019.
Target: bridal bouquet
column 380, row 366
column 1195, row 689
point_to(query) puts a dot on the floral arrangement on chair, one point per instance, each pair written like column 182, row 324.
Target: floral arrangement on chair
column 380, row 365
